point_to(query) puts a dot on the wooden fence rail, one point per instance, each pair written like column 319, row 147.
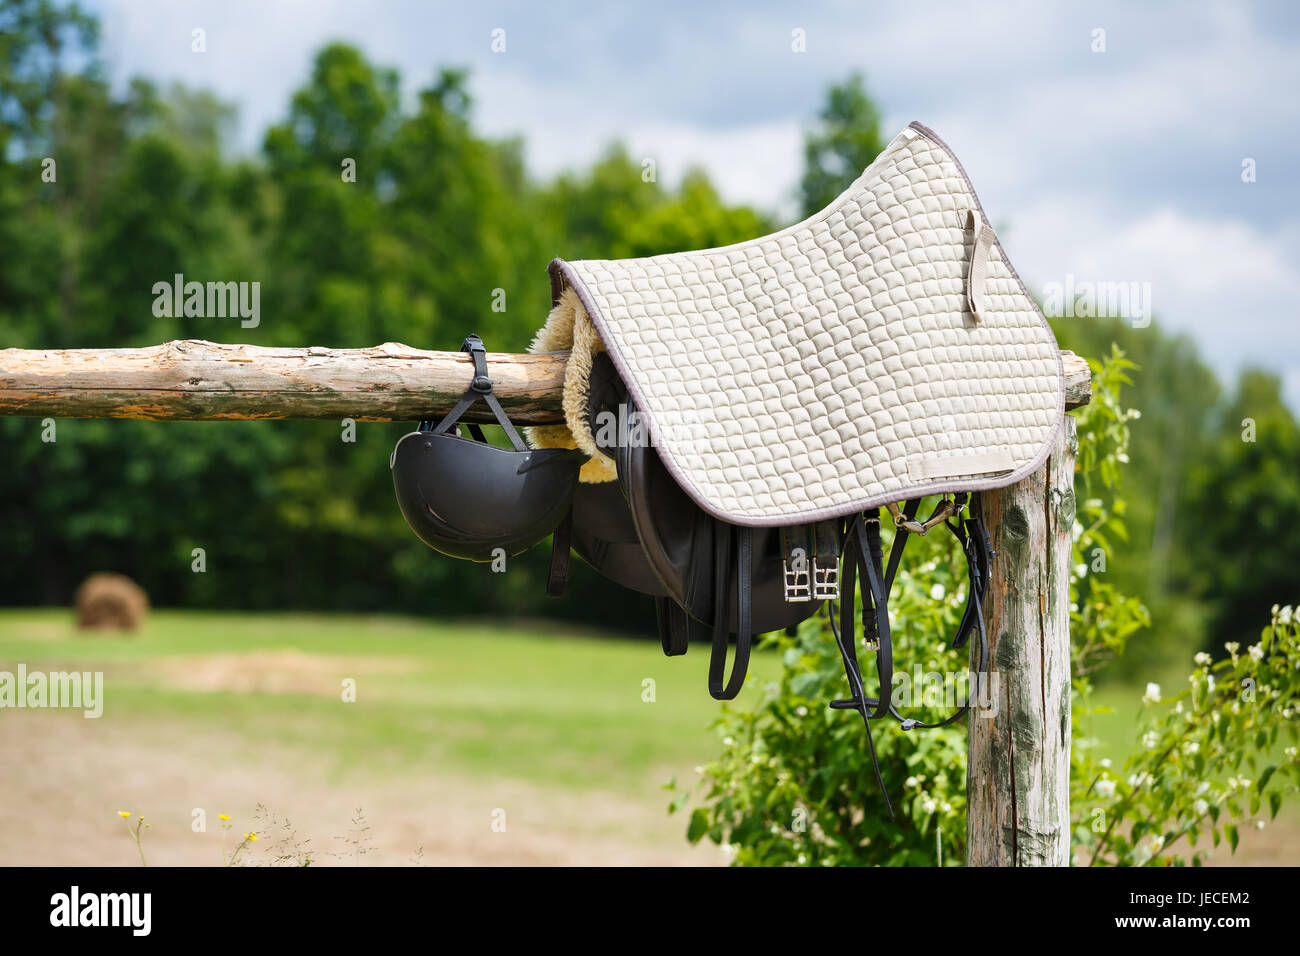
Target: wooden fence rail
column 193, row 380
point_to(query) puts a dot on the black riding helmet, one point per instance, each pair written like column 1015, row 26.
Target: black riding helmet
column 466, row 498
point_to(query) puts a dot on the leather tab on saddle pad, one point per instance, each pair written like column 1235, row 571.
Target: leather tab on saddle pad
column 923, row 467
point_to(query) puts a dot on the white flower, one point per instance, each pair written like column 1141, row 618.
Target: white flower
column 1232, row 647
column 1191, row 747
column 1135, row 413
column 1200, row 808
column 1105, row 788
column 1203, row 659
column 802, row 859
column 1122, row 457
column 928, row 805
column 699, row 770
column 728, row 741
column 1202, row 788
column 1141, row 853
column 1152, row 696
column 1259, row 824
column 727, row 850
column 1209, row 687
column 1290, row 753
column 1080, row 570
column 910, row 782
column 1150, row 739
column 937, row 592
column 1105, row 762
column 1285, row 616
column 946, row 807
column 801, row 710
column 1256, row 652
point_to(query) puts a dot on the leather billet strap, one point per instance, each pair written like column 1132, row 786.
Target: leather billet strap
column 480, row 387
column 731, row 564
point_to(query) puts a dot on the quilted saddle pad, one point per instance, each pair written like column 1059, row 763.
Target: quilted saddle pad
column 880, row 350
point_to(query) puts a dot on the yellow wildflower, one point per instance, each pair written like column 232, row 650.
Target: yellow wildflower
column 124, row 814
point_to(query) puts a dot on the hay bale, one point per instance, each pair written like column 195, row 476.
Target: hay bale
column 110, row 602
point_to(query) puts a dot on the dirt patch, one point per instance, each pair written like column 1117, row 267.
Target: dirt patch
column 286, row 671
column 71, row 776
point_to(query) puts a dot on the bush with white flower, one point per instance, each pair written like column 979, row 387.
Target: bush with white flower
column 1220, row 755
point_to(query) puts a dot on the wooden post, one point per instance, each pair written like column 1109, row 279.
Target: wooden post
column 1018, row 771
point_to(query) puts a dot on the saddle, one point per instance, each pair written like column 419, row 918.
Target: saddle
column 749, row 410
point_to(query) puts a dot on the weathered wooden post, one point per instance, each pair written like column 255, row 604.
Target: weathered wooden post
column 1018, row 774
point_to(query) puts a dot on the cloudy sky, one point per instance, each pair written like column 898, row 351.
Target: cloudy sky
column 1107, row 140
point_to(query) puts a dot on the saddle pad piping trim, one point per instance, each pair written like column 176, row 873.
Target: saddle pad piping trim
column 562, row 274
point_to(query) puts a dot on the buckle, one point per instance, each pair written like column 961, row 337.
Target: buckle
column 798, row 582
column 826, row 581
column 945, row 510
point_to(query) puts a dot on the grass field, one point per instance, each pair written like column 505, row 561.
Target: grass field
column 454, row 727
column 553, row 727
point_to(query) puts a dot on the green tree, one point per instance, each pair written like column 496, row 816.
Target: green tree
column 843, row 143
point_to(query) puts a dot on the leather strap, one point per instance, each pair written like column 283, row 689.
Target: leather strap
column 479, row 387
column 725, row 570
column 876, row 600
column 844, row 641
column 676, row 627
column 558, row 576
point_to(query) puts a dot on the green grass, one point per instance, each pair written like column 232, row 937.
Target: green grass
column 563, row 710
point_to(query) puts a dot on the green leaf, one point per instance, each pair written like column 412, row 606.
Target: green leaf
column 1266, row 776
column 802, row 684
column 1230, row 831
column 699, row 825
column 1274, row 803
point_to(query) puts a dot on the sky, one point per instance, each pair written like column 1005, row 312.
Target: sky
column 1154, row 145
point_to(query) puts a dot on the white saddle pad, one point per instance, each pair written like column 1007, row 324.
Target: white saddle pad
column 880, row 350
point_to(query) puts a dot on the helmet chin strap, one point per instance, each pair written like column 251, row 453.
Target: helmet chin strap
column 479, row 387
